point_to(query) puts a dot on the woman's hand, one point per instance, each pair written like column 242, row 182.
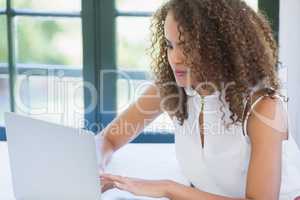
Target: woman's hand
column 106, row 184
column 139, row 187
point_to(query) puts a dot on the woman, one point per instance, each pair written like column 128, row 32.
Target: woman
column 215, row 69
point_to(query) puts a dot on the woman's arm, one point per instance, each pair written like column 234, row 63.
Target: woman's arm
column 160, row 188
column 265, row 130
column 126, row 127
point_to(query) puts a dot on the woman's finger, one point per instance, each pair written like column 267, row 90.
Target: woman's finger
column 110, row 176
column 113, row 178
column 121, row 186
column 106, row 185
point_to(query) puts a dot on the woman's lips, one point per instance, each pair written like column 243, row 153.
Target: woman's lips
column 180, row 73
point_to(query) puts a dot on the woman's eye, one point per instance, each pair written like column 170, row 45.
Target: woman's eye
column 169, row 46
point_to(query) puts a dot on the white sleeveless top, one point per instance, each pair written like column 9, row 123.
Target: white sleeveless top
column 221, row 166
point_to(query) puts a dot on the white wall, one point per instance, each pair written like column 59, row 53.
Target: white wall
column 289, row 43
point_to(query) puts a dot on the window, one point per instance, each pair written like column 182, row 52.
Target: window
column 41, row 68
column 133, row 61
column 4, row 82
column 79, row 63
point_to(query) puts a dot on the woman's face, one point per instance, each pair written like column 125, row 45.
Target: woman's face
column 176, row 57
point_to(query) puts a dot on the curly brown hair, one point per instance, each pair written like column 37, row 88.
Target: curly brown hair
column 233, row 44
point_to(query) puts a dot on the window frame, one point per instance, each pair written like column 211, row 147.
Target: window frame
column 99, row 53
column 9, row 68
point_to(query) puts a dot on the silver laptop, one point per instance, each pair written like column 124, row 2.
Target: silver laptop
column 50, row 161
